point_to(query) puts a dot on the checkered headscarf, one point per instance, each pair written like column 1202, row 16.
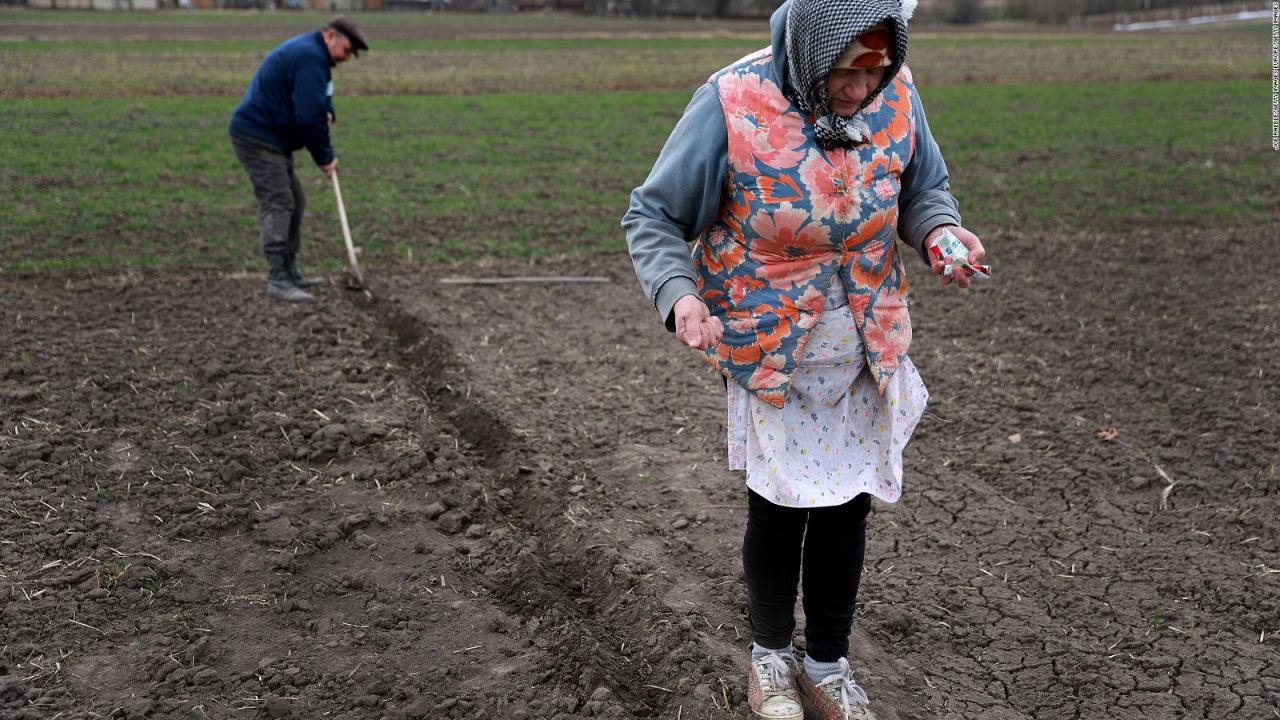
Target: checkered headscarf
column 817, row 32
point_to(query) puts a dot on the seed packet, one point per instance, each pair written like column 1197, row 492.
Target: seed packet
column 950, row 250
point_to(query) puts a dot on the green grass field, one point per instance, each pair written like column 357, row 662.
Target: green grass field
column 116, row 154
column 217, row 67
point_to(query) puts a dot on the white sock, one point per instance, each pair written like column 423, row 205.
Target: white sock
column 819, row 671
column 758, row 651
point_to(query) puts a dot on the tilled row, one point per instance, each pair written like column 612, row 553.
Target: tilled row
column 264, row 519
column 602, row 620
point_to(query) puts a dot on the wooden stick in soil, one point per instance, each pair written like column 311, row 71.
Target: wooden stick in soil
column 523, row 279
column 346, row 234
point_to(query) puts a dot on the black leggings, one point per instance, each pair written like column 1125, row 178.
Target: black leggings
column 834, row 542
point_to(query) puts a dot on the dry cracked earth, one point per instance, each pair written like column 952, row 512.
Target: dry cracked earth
column 510, row 501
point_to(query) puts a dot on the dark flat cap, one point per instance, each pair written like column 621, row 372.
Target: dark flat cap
column 348, row 27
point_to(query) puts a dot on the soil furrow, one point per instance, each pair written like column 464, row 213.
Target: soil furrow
column 573, row 581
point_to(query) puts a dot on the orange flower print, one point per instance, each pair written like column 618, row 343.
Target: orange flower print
column 895, row 164
column 891, row 314
column 873, row 264
column 748, row 355
column 770, row 339
column 737, row 207
column 786, row 275
column 779, row 190
column 877, row 168
column 829, row 190
column 718, row 252
column 727, row 251
column 873, row 338
column 762, row 129
column 787, row 310
column 900, row 124
column 736, row 355
column 774, row 361
column 776, row 397
column 878, row 264
column 888, row 332
column 740, row 321
column 719, row 238
column 858, row 305
column 785, row 246
column 885, row 189
column 764, row 378
column 812, row 300
column 879, row 222
column 740, row 285
column 804, row 311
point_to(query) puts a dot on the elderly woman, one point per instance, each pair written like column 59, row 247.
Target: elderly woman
column 794, row 169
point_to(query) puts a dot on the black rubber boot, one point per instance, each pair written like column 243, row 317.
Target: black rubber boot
column 288, row 292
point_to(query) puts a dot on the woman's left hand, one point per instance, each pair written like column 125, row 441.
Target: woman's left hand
column 971, row 241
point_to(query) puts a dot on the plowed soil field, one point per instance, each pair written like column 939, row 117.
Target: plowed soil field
column 511, row 501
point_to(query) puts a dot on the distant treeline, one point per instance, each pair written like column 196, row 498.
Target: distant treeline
column 1076, row 12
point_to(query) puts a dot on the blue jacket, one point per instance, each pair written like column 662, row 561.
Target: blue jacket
column 289, row 99
column 683, row 192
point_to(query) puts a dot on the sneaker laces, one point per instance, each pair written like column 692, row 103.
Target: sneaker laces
column 775, row 671
column 841, row 687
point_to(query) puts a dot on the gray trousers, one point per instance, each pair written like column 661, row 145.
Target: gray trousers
column 281, row 203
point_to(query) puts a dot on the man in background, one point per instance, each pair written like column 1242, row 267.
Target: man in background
column 289, row 106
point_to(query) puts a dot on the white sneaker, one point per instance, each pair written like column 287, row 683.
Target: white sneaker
column 770, row 692
column 836, row 697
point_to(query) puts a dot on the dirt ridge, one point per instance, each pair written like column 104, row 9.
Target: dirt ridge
column 599, row 605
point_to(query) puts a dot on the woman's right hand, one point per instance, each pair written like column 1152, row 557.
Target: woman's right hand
column 695, row 326
column 971, row 241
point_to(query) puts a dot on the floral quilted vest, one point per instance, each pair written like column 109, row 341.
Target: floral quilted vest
column 794, row 218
